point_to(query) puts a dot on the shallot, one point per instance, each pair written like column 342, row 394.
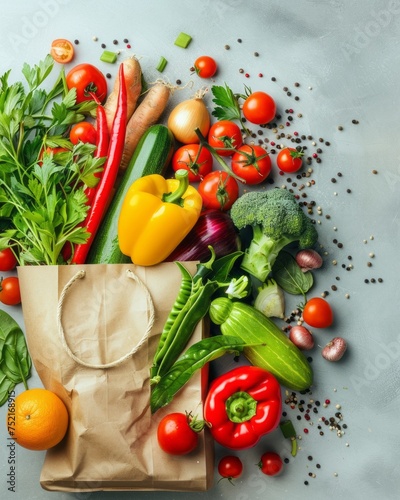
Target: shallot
column 334, row 350
column 301, row 337
column 308, row 259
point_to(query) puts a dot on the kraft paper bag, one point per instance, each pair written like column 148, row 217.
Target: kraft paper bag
column 92, row 331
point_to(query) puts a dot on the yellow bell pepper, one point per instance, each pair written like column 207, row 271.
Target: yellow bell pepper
column 156, row 215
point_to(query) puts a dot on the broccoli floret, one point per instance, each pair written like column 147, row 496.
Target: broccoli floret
column 277, row 220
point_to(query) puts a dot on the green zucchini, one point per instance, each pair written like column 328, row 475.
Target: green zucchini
column 152, row 156
column 277, row 354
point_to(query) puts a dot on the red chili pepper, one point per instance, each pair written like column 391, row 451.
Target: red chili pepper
column 101, row 146
column 243, row 405
column 110, row 172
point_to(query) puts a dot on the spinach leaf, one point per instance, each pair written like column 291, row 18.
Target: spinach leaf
column 290, row 277
column 15, row 362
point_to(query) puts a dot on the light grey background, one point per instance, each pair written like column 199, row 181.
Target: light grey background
column 346, row 57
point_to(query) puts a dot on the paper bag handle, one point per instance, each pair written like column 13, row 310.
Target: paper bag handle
column 80, row 275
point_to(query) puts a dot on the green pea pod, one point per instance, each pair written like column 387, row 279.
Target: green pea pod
column 184, row 293
column 197, row 356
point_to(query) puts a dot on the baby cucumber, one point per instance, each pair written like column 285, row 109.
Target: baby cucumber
column 272, row 350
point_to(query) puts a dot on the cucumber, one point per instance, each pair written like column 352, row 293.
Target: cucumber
column 278, row 355
column 152, row 156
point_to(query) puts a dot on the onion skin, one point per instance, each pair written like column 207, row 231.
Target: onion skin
column 308, row 259
column 334, row 350
column 186, row 117
column 301, row 337
column 213, row 228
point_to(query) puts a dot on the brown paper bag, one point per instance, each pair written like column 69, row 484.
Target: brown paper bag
column 92, row 343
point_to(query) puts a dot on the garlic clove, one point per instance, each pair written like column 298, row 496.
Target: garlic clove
column 334, row 350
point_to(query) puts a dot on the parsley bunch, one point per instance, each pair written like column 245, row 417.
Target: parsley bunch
column 42, row 193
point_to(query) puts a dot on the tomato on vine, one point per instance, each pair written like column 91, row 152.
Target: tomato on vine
column 205, row 66
column 87, row 80
column 251, row 163
column 198, row 161
column 178, row 433
column 271, row 463
column 259, row 108
column 8, row 261
column 83, row 132
column 289, row 160
column 219, row 190
column 10, row 294
column 225, row 134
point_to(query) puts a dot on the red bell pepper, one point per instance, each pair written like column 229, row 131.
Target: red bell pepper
column 242, row 405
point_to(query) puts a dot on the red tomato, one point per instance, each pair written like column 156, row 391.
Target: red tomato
column 259, row 108
column 225, row 134
column 289, row 160
column 271, row 463
column 205, row 66
column 55, row 152
column 87, row 80
column 219, row 190
column 8, row 260
column 198, row 161
column 9, row 291
column 175, row 436
column 62, row 50
column 84, row 132
column 230, row 467
column 318, row 313
column 251, row 163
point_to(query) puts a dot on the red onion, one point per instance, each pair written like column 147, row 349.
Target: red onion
column 334, row 350
column 301, row 337
column 214, row 228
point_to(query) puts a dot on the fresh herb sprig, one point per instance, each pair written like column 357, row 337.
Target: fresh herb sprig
column 227, row 106
column 42, row 191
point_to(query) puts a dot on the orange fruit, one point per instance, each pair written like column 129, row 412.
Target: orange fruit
column 41, row 419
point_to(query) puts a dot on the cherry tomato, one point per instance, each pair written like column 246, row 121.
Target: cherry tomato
column 271, row 463
column 87, row 80
column 8, row 260
column 175, row 436
column 318, row 313
column 289, row 160
column 84, row 132
column 225, row 134
column 55, row 152
column 219, row 190
column 230, row 467
column 251, row 163
column 62, row 50
column 9, row 291
column 259, row 108
column 198, row 161
column 205, row 66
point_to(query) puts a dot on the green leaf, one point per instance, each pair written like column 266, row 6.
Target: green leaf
column 15, row 361
column 6, row 386
column 196, row 356
column 227, row 106
column 289, row 276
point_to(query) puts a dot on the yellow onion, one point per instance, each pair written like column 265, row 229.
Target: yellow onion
column 186, row 117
